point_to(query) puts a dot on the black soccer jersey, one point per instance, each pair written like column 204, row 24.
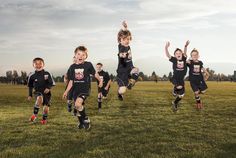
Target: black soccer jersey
column 104, row 76
column 40, row 80
column 195, row 70
column 179, row 67
column 80, row 75
column 127, row 61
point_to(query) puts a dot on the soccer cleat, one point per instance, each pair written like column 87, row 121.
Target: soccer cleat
column 33, row 118
column 87, row 123
column 129, row 86
column 43, row 122
column 120, row 97
column 80, row 126
column 174, row 106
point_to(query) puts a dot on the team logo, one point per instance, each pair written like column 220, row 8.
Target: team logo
column 196, row 68
column 180, row 64
column 79, row 74
column 45, row 77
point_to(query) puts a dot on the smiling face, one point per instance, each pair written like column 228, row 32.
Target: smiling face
column 178, row 54
column 194, row 55
column 38, row 65
column 80, row 56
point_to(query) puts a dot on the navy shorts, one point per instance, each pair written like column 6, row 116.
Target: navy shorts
column 46, row 97
column 176, row 83
column 198, row 85
column 123, row 76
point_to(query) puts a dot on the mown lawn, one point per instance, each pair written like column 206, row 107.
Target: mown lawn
column 143, row 125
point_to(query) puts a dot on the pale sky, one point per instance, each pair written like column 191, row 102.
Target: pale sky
column 52, row 29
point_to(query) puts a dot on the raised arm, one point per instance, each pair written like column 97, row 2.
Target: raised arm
column 185, row 48
column 166, row 50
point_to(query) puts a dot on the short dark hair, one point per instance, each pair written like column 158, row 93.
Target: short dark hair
column 99, row 64
column 123, row 34
column 83, row 49
column 38, row 58
column 178, row 49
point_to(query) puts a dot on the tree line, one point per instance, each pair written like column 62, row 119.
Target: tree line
column 13, row 77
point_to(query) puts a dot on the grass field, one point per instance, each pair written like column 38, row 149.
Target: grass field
column 143, row 125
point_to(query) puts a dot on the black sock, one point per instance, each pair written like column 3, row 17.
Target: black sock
column 45, row 116
column 198, row 99
column 36, row 109
column 82, row 115
column 177, row 99
column 99, row 105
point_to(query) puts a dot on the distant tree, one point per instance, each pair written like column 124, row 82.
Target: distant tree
column 170, row 76
column 9, row 76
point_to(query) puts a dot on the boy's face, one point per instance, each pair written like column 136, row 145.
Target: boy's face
column 178, row 55
column 194, row 56
column 125, row 41
column 99, row 68
column 80, row 57
column 38, row 65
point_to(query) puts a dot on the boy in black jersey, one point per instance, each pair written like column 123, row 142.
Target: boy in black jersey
column 197, row 77
column 127, row 74
column 103, row 91
column 41, row 81
column 80, row 79
column 70, row 93
column 179, row 69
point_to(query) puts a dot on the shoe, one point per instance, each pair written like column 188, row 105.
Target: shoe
column 43, row 122
column 33, row 118
column 120, row 97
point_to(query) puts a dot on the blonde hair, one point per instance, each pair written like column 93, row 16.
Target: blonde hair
column 194, row 50
column 123, row 34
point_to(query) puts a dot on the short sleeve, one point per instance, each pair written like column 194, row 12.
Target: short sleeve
column 172, row 59
column 70, row 73
column 91, row 69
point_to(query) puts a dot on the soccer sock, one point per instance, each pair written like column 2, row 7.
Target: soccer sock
column 177, row 99
column 82, row 115
column 135, row 76
column 99, row 102
column 198, row 99
column 36, row 110
column 45, row 113
column 69, row 103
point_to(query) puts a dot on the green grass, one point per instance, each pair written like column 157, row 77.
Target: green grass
column 143, row 125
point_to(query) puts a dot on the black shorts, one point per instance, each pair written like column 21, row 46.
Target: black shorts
column 82, row 95
column 177, row 82
column 199, row 85
column 103, row 91
column 123, row 76
column 46, row 97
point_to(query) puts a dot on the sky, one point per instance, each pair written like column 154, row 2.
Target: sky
column 52, row 29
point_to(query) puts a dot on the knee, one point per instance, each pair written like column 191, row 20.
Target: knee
column 203, row 91
column 39, row 100
column 79, row 102
column 135, row 70
column 122, row 90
